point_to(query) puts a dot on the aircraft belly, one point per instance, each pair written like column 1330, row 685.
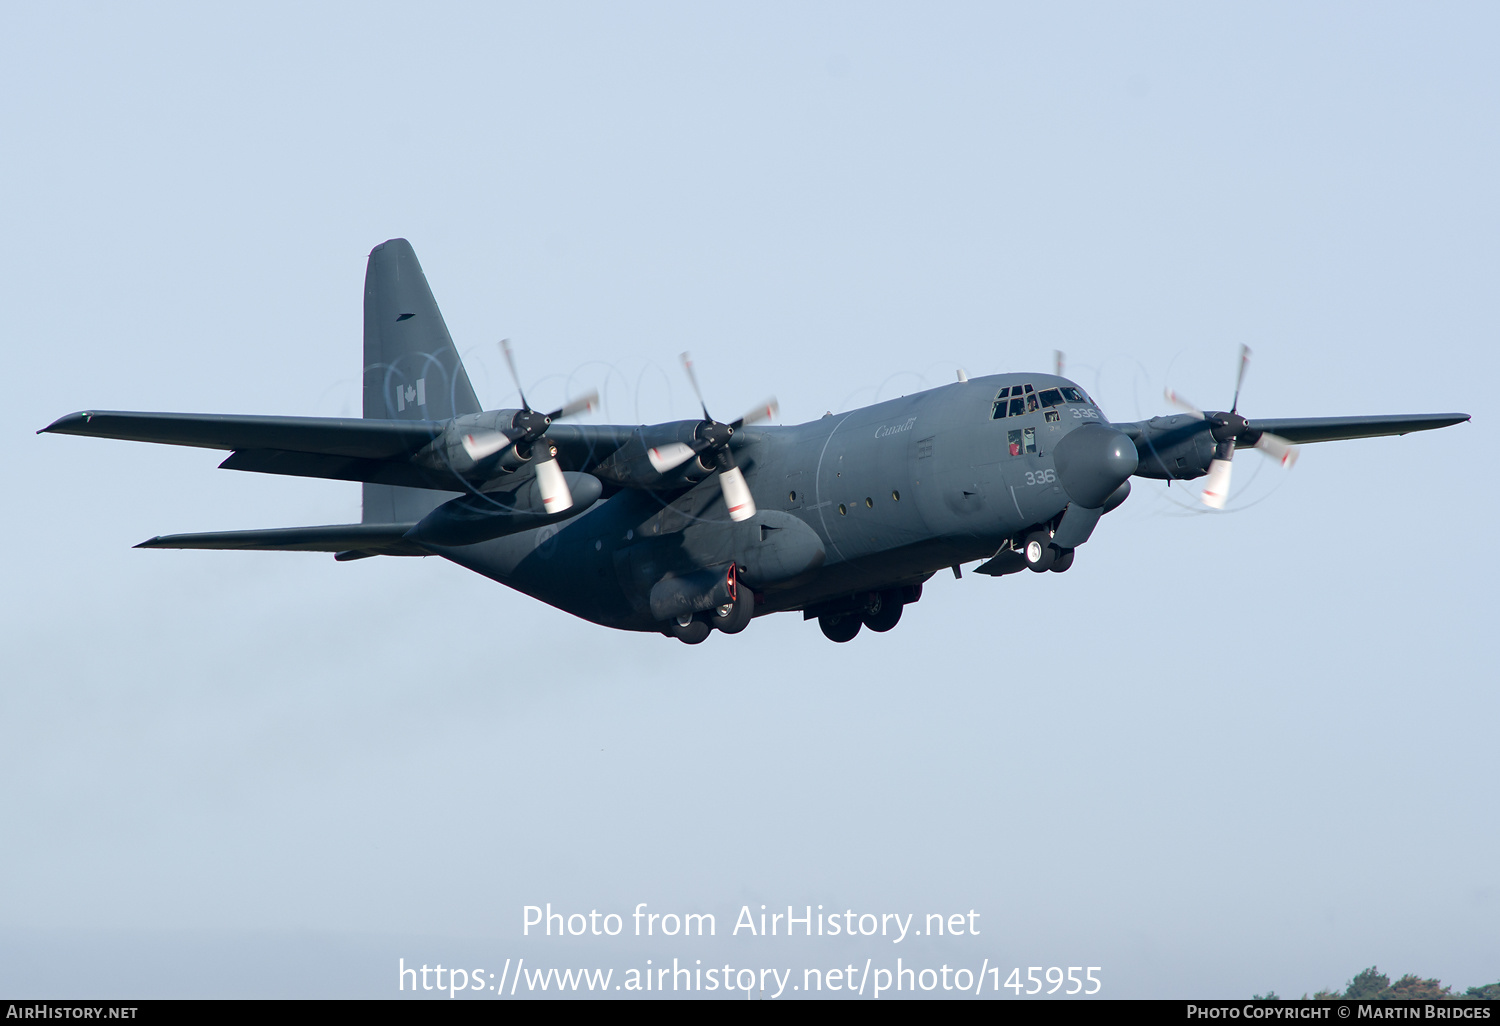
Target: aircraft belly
column 569, row 566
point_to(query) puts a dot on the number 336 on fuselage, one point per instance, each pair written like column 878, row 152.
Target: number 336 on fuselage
column 700, row 525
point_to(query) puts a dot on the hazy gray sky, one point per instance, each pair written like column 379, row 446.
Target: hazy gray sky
column 1224, row 753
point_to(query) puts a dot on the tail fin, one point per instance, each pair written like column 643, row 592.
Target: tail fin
column 412, row 370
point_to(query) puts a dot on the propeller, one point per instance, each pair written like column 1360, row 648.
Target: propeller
column 1228, row 430
column 529, row 428
column 712, row 437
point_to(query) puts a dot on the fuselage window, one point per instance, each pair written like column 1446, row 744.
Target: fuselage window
column 1052, row 416
column 1018, row 442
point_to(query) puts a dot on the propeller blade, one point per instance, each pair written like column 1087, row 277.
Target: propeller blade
column 482, row 444
column 1182, row 404
column 1244, row 364
column 765, row 411
column 551, row 483
column 1278, row 448
column 737, row 497
column 510, row 361
column 579, row 405
column 1216, row 488
column 687, row 363
column 670, row 456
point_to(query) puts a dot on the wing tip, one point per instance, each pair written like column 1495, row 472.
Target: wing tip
column 71, row 420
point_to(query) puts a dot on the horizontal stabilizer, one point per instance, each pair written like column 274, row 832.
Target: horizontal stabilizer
column 364, row 539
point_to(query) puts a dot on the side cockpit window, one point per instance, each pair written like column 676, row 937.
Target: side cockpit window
column 1021, row 441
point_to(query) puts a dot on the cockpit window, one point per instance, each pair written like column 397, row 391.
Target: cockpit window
column 1014, row 401
column 1019, row 400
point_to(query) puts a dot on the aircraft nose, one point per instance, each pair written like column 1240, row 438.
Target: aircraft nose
column 1092, row 461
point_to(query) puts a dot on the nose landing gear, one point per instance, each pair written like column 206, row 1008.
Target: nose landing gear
column 1041, row 555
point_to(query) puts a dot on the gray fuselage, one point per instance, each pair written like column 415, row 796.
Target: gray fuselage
column 893, row 492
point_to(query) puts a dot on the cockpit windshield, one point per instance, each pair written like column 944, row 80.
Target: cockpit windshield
column 1019, row 400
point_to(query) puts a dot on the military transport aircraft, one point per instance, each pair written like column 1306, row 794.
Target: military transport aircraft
column 700, row 525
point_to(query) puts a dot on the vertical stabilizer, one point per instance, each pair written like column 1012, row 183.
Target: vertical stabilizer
column 412, row 370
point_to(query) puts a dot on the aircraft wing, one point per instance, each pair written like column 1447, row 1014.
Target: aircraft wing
column 344, row 449
column 330, row 436
column 1333, row 429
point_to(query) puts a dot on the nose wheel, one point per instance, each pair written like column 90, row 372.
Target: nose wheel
column 1039, row 553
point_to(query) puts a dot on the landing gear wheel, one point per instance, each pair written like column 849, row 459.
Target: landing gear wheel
column 687, row 629
column 1063, row 561
column 884, row 613
column 733, row 617
column 840, row 628
column 1038, row 552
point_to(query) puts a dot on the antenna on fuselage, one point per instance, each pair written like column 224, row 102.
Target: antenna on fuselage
column 962, row 377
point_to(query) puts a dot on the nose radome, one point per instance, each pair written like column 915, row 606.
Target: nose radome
column 1092, row 461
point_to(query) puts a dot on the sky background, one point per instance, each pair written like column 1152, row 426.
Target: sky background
column 1224, row 753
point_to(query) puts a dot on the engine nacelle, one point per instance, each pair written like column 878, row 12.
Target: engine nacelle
column 631, row 465
column 1177, row 448
column 447, row 451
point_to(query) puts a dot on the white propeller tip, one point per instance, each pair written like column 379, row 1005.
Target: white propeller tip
column 554, row 487
column 484, row 444
column 737, row 497
column 1216, row 488
column 669, row 457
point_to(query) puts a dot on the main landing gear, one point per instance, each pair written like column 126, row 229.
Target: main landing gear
column 729, row 618
column 877, row 610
